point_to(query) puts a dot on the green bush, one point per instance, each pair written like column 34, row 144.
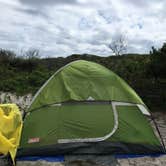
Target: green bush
column 145, row 73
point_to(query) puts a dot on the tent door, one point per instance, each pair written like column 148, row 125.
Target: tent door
column 92, row 122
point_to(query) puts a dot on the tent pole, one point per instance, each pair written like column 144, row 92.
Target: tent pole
column 157, row 128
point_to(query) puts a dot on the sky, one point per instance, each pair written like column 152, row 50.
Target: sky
column 64, row 27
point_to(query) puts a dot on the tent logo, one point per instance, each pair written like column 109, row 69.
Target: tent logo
column 90, row 98
column 33, row 140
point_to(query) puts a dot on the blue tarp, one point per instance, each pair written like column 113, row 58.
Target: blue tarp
column 61, row 158
column 123, row 156
column 45, row 158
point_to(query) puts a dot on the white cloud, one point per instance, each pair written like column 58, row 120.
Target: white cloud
column 47, row 2
column 61, row 28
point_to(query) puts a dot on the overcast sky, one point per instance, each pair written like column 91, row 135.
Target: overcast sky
column 64, row 27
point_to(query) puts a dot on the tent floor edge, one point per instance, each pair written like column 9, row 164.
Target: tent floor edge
column 100, row 148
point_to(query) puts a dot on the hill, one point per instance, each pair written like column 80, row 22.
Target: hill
column 145, row 73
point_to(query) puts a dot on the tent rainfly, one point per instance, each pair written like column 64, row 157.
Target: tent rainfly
column 84, row 108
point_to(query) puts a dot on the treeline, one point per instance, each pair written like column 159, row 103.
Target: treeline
column 145, row 73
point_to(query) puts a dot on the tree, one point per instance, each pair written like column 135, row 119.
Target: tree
column 32, row 54
column 118, row 45
column 6, row 56
column 158, row 62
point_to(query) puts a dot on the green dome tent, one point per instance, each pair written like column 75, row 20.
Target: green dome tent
column 86, row 108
